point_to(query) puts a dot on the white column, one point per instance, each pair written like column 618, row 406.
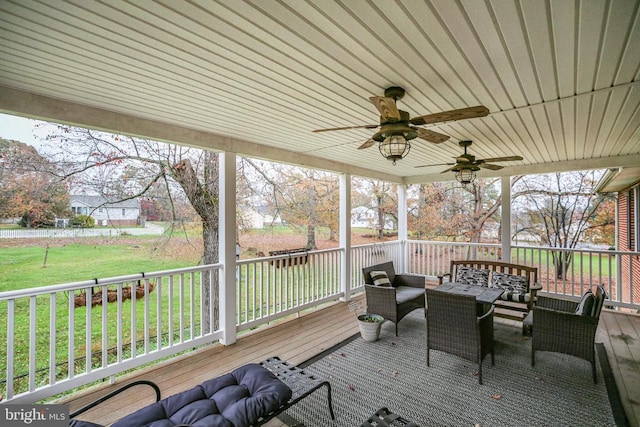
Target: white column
column 227, row 242
column 506, row 218
column 403, row 228
column 345, row 235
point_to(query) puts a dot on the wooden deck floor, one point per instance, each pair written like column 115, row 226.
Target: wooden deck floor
column 298, row 339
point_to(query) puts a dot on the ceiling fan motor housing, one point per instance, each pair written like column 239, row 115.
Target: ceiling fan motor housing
column 401, row 127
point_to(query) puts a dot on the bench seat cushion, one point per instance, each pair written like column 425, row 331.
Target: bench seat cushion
column 237, row 399
column 408, row 293
column 515, row 296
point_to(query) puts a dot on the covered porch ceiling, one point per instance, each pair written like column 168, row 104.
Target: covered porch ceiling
column 560, row 78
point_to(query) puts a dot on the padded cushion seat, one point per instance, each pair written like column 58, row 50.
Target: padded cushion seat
column 407, row 293
column 237, row 399
column 515, row 297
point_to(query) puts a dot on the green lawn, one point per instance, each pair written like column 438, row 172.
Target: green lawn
column 24, row 267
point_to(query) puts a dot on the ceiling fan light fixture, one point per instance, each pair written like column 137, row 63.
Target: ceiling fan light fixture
column 394, row 147
column 465, row 176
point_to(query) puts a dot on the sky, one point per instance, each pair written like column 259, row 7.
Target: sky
column 17, row 128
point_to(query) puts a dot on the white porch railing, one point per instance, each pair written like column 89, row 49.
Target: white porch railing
column 585, row 269
column 274, row 287
column 56, row 338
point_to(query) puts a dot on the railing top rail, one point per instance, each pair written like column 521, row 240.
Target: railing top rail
column 293, row 254
column 441, row 243
column 388, row 243
column 582, row 250
column 43, row 290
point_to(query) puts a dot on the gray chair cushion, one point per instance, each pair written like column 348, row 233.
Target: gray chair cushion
column 407, row 293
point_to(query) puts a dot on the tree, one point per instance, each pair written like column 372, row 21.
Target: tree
column 28, row 187
column 303, row 198
column 381, row 197
column 123, row 168
column 557, row 209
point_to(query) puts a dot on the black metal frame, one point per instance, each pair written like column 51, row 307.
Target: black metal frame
column 385, row 418
column 116, row 392
column 301, row 383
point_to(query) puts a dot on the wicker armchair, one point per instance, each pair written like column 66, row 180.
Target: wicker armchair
column 454, row 327
column 557, row 328
column 405, row 294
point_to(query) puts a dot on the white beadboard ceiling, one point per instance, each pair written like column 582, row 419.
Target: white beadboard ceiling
column 559, row 77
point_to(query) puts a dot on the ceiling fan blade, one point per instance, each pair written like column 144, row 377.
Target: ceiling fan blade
column 447, row 116
column 437, row 164
column 503, row 159
column 368, row 143
column 387, row 107
column 431, row 136
column 448, row 170
column 490, row 166
column 347, row 128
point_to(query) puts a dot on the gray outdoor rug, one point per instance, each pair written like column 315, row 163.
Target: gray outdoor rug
column 392, row 373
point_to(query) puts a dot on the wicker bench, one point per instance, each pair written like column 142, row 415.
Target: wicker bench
column 251, row 395
column 519, row 302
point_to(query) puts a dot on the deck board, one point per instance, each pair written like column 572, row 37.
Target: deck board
column 295, row 340
column 620, row 334
column 298, row 339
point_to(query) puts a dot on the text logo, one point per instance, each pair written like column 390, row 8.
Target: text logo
column 34, row 415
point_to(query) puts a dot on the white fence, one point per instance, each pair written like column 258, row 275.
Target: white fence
column 78, row 232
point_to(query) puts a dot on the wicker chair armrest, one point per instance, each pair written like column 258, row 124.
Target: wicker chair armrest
column 442, row 276
column 558, row 304
column 381, row 300
column 547, row 321
column 412, row 280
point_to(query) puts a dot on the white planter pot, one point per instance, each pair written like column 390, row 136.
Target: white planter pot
column 369, row 330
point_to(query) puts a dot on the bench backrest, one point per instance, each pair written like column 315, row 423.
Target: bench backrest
column 501, row 267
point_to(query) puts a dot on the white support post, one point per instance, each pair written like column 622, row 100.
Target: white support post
column 506, row 218
column 345, row 235
column 403, row 228
column 227, row 242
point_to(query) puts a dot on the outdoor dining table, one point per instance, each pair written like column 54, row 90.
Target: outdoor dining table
column 483, row 294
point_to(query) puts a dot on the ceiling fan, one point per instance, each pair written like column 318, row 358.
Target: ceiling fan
column 467, row 165
column 397, row 128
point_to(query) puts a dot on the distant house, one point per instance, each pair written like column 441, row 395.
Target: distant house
column 106, row 212
column 259, row 217
column 364, row 217
column 625, row 182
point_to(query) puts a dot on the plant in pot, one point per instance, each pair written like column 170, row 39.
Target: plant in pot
column 369, row 323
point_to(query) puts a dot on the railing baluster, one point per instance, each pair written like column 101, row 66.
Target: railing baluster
column 33, row 323
column 11, row 304
column 52, row 337
column 87, row 335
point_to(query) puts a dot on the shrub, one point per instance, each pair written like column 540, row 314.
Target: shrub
column 83, row 221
